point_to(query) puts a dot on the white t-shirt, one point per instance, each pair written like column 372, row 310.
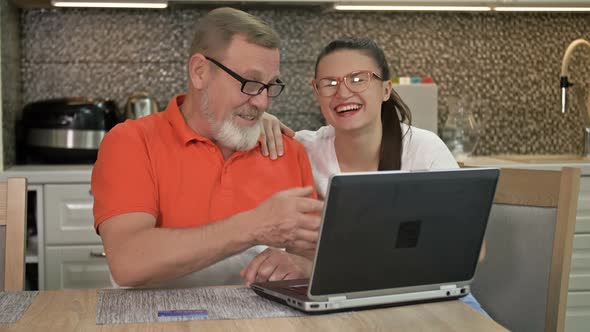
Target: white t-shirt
column 421, row 150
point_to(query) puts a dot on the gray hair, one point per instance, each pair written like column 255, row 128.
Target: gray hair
column 215, row 31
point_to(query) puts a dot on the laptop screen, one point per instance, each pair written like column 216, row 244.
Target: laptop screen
column 384, row 230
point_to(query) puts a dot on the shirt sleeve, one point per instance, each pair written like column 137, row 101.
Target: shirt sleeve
column 122, row 178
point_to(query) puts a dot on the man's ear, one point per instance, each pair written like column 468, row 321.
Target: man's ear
column 198, row 70
column 387, row 87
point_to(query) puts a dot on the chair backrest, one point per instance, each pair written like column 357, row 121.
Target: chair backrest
column 523, row 280
column 13, row 216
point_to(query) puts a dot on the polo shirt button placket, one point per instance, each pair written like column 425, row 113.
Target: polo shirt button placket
column 212, row 148
column 225, row 177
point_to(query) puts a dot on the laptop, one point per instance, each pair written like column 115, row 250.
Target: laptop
column 395, row 237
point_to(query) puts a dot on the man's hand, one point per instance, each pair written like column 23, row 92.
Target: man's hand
column 271, row 138
column 273, row 264
column 288, row 219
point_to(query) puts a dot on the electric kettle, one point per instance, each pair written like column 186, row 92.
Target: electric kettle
column 140, row 104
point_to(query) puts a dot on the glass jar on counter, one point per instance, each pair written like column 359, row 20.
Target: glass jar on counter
column 460, row 131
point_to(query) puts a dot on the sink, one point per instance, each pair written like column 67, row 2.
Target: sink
column 543, row 158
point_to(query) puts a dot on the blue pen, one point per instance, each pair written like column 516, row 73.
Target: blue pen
column 183, row 313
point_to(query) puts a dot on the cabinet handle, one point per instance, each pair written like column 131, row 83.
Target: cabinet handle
column 97, row 254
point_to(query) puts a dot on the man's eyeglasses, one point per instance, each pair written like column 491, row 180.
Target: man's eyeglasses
column 250, row 87
column 357, row 81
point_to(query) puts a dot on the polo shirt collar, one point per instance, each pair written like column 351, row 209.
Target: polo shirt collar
column 179, row 125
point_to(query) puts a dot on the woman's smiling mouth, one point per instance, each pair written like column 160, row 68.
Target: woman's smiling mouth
column 349, row 109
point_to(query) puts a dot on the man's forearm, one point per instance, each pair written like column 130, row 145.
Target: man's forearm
column 153, row 255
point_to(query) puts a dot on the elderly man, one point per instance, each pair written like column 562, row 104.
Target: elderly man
column 184, row 197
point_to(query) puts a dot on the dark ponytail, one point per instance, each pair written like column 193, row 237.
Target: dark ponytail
column 393, row 111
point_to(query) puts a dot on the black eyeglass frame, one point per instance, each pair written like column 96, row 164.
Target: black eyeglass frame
column 246, row 81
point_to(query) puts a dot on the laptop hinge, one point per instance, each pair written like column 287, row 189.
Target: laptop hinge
column 336, row 298
column 448, row 287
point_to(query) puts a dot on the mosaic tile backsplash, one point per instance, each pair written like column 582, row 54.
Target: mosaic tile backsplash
column 507, row 64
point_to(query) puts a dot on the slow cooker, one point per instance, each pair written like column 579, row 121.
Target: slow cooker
column 66, row 130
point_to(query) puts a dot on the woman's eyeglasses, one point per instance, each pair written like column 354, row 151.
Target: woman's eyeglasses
column 357, row 81
column 250, row 87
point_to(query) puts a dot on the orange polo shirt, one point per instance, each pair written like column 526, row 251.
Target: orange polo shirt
column 157, row 164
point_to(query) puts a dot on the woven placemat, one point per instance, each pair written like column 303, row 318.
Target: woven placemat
column 14, row 304
column 140, row 305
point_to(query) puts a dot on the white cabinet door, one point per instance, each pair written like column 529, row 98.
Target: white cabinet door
column 583, row 213
column 73, row 267
column 578, row 300
column 68, row 215
column 580, row 269
column 578, row 312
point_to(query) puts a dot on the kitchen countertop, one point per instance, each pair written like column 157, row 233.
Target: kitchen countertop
column 53, row 174
column 47, row 174
column 532, row 161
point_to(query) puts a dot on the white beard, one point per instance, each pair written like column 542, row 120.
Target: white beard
column 237, row 137
column 228, row 133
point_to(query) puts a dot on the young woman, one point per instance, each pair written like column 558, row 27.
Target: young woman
column 365, row 132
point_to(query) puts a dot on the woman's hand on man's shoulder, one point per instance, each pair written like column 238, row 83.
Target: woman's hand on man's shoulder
column 271, row 136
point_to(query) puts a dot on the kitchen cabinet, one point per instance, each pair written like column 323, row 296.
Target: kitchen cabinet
column 73, row 251
column 578, row 304
column 69, row 253
column 68, row 214
column 76, row 266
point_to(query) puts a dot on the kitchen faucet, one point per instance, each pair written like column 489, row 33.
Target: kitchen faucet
column 565, row 83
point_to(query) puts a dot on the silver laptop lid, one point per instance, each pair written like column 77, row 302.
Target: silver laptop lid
column 390, row 232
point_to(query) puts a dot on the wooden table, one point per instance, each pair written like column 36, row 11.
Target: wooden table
column 75, row 310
